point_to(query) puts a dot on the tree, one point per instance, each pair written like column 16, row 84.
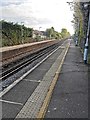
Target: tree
column 12, row 33
column 80, row 20
column 50, row 32
column 65, row 33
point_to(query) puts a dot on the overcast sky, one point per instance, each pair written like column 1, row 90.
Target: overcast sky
column 38, row 14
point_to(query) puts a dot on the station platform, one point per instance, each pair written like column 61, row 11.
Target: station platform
column 70, row 96
column 63, row 91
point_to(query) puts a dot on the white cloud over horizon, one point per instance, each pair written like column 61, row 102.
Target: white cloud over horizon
column 38, row 13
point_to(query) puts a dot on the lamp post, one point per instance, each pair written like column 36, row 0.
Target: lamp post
column 40, row 28
column 87, row 6
column 22, row 32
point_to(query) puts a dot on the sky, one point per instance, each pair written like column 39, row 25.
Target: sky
column 38, row 14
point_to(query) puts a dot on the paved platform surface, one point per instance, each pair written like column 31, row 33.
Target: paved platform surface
column 70, row 96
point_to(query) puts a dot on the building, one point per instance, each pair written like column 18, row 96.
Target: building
column 40, row 34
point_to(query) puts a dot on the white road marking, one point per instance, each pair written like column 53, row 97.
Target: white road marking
column 62, row 47
column 32, row 80
column 10, row 102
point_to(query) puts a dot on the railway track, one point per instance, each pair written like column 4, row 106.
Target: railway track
column 22, row 63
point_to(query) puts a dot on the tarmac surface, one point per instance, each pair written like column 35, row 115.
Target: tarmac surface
column 70, row 96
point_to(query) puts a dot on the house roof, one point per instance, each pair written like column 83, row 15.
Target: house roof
column 37, row 32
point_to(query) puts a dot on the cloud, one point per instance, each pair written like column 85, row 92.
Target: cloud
column 13, row 2
column 23, row 13
column 37, row 13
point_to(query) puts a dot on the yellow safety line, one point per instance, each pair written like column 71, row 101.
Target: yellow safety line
column 44, row 107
